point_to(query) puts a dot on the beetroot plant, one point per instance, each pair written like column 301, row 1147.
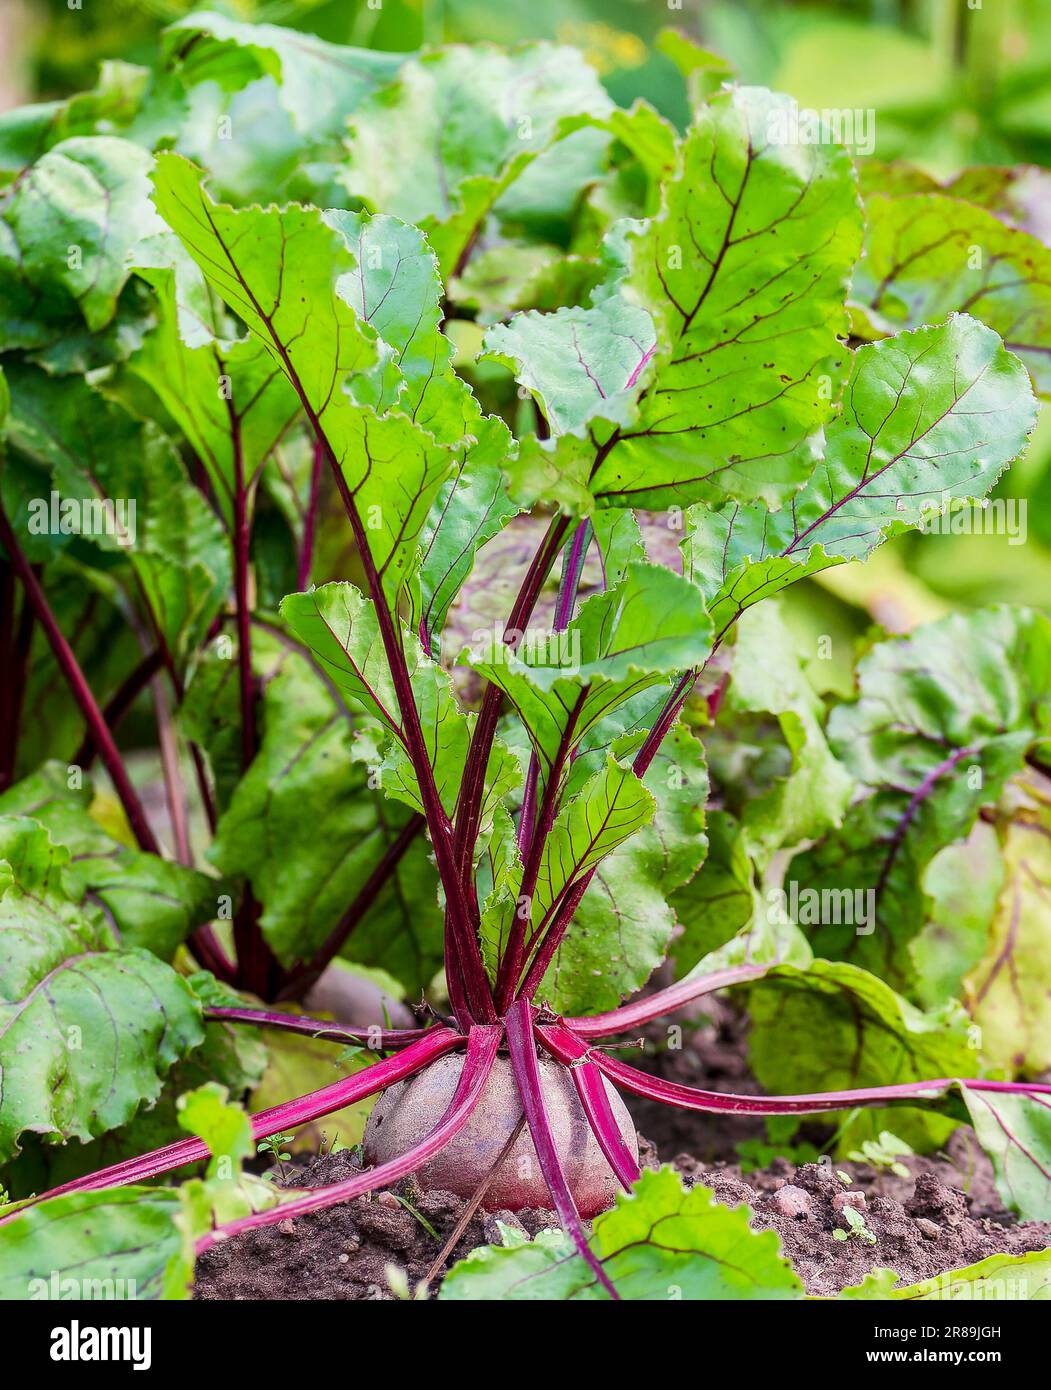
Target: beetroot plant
column 554, row 400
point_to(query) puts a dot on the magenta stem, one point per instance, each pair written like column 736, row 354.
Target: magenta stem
column 564, row 605
column 279, row 1118
column 120, row 702
column 81, row 691
column 665, row 1001
column 469, row 805
column 560, row 922
column 378, row 1039
column 514, row 955
column 526, row 1069
column 715, row 1102
column 591, row 1088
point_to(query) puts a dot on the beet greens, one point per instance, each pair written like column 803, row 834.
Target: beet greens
column 568, row 481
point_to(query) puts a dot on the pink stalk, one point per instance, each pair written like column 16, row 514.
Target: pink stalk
column 563, row 916
column 564, row 605
column 379, row 1039
column 640, row 1083
column 207, row 950
column 276, row 1120
column 591, row 1089
column 526, row 1069
column 514, row 954
column 482, row 1046
column 80, row 690
column 469, row 804
column 665, row 1001
column 120, row 702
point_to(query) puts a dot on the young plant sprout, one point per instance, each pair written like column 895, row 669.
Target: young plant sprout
column 543, row 781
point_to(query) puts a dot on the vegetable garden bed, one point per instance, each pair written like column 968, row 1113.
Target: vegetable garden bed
column 408, row 460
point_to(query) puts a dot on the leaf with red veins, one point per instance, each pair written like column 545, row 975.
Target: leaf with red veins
column 929, row 254
column 927, row 417
column 1015, row 1131
column 580, row 364
column 1006, row 991
column 745, row 270
column 397, row 289
column 943, row 719
column 281, row 270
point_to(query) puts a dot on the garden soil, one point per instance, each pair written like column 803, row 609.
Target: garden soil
column 946, row 1214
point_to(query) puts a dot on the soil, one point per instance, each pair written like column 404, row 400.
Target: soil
column 946, row 1214
column 346, row 1251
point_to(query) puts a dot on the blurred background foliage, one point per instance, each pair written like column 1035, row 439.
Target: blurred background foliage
column 953, row 83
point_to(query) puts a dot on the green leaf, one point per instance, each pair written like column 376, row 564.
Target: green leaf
column 266, row 107
column 621, row 643
column 928, row 255
column 833, row 1026
column 579, row 364
column 319, row 84
column 118, row 1243
column 225, row 1128
column 153, row 902
column 1013, row 1277
column 280, row 270
column 225, row 1193
column 767, row 677
column 86, row 1031
column 623, row 925
column 127, row 493
column 610, row 807
column 500, row 279
column 447, row 736
column 1015, row 1131
column 29, row 131
column 226, row 394
column 232, row 1055
column 471, row 508
column 703, row 70
column 455, row 129
column 745, row 271
column 397, row 288
column 927, row 417
column 720, row 899
column 663, row 1241
column 962, row 883
column 1007, row 992
column 619, row 541
column 943, row 718
column 582, row 366
column 306, row 800
column 340, row 626
column 68, row 229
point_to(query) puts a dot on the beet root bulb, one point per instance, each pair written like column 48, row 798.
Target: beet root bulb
column 406, row 1113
